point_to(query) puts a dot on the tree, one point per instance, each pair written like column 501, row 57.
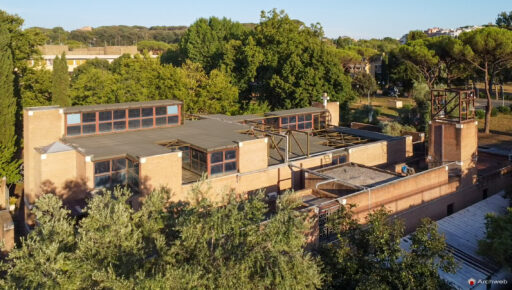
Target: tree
column 504, row 20
column 365, row 84
column 497, row 243
column 370, row 257
column 298, row 67
column 489, row 50
column 449, row 51
column 36, row 87
column 424, row 61
column 416, row 35
column 9, row 166
column 60, row 82
column 164, row 245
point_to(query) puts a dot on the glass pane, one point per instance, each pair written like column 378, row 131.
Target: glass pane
column 105, row 116
column 216, row 157
column 230, row 166
column 119, row 114
column 133, row 113
column 130, row 163
column 89, row 117
column 147, row 112
column 134, row 124
column 89, row 129
column 73, row 118
column 202, row 156
column 73, row 130
column 105, row 127
column 172, row 120
column 119, row 125
column 101, row 167
column 118, row 178
column 202, row 167
column 292, row 119
column 216, row 169
column 301, row 118
column 230, row 155
column 301, row 126
column 101, row 181
column 161, row 121
column 195, row 154
column 284, row 120
column 307, row 125
column 172, row 110
column 118, row 164
column 159, row 111
column 146, row 123
column 195, row 165
column 308, row 117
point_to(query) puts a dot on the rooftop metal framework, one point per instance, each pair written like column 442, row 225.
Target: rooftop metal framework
column 452, row 104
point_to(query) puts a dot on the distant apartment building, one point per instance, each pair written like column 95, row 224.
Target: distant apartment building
column 76, row 152
column 78, row 56
column 436, row 31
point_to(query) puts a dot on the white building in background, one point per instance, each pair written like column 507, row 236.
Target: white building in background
column 78, row 56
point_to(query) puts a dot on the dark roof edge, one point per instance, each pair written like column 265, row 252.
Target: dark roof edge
column 128, row 105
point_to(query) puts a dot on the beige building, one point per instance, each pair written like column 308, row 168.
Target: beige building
column 78, row 56
column 77, row 151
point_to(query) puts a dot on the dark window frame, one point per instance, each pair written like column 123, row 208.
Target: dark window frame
column 223, row 162
column 127, row 170
column 126, row 119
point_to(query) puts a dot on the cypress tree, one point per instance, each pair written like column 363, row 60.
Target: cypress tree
column 8, row 164
column 60, row 82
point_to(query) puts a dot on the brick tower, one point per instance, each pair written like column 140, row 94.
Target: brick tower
column 453, row 132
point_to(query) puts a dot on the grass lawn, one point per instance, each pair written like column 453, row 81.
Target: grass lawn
column 382, row 103
column 501, row 124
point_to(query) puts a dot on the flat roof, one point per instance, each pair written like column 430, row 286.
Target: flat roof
column 360, row 175
column 462, row 231
column 296, row 111
column 236, row 118
column 77, row 109
column 208, row 135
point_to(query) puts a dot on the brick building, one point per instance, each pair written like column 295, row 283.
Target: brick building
column 77, row 151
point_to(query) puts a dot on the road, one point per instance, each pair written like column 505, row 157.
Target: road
column 481, row 103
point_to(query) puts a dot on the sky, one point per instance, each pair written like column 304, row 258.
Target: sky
column 354, row 18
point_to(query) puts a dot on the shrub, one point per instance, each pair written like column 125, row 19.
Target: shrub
column 494, row 112
column 362, row 115
column 480, row 114
column 396, row 129
column 504, row 109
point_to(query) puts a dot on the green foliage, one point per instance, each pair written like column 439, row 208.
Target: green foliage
column 164, row 245
column 425, row 62
column 498, row 240
column 9, row 166
column 416, row 35
column 111, row 35
column 153, row 46
column 504, row 20
column 60, row 82
column 366, row 114
column 489, row 50
column 364, row 84
column 396, row 129
column 503, row 109
column 494, row 112
column 36, row 87
column 370, row 257
column 480, row 114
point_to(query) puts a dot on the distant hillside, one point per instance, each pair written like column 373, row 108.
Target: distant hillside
column 112, row 35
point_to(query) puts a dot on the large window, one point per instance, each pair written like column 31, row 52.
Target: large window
column 223, row 162
column 121, row 120
column 193, row 159
column 297, row 122
column 110, row 173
